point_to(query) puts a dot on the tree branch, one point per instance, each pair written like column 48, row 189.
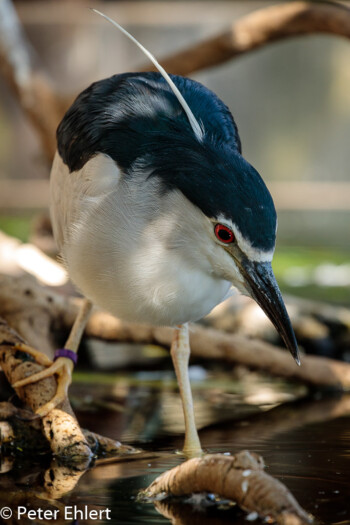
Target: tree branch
column 207, row 343
column 45, row 108
column 258, row 29
column 27, row 80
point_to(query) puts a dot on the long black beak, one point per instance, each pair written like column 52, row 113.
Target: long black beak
column 263, row 287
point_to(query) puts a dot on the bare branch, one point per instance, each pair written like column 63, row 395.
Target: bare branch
column 258, row 29
column 28, row 82
column 45, row 107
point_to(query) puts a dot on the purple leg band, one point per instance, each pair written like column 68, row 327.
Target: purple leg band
column 64, row 352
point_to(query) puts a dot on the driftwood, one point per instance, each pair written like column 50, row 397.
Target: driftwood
column 59, row 428
column 27, row 306
column 209, row 343
column 240, row 478
column 258, row 29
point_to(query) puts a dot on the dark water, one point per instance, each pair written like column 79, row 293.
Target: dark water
column 305, row 444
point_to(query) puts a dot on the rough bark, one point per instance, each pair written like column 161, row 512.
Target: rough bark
column 33, row 311
column 258, row 29
column 20, row 432
column 60, row 427
column 240, row 478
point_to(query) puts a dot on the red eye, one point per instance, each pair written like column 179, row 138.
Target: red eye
column 224, row 234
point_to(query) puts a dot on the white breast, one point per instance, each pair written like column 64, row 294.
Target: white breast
column 130, row 249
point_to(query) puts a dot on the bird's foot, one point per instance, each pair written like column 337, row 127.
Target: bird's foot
column 39, row 357
column 62, row 368
column 192, row 446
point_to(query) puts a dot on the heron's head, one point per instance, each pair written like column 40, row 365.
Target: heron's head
column 236, row 225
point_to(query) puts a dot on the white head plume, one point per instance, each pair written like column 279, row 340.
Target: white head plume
column 192, row 120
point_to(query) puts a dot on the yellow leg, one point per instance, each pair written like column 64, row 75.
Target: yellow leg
column 180, row 353
column 39, row 357
column 62, row 367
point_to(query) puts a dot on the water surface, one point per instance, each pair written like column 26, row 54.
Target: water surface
column 305, row 443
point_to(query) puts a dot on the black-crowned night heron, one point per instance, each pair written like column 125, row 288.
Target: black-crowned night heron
column 157, row 214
